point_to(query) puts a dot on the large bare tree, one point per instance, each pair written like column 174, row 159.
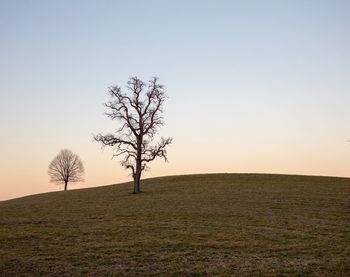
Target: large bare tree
column 66, row 168
column 139, row 113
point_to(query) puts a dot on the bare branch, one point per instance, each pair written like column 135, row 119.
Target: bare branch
column 111, row 140
column 157, row 151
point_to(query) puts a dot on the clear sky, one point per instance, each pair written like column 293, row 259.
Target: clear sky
column 254, row 86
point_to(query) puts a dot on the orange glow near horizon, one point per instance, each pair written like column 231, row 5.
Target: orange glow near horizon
column 29, row 176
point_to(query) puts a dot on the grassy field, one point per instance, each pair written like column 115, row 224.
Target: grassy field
column 215, row 224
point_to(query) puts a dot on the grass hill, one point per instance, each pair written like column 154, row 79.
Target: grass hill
column 214, row 224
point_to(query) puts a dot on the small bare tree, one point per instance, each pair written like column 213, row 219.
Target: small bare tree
column 139, row 114
column 66, row 168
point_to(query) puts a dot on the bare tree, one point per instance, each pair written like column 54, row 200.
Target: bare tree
column 66, row 168
column 139, row 114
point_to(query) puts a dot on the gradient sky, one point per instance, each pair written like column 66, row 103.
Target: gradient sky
column 254, row 86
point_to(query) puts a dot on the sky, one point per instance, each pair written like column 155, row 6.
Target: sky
column 253, row 86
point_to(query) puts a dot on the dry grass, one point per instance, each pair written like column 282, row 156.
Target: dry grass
column 217, row 224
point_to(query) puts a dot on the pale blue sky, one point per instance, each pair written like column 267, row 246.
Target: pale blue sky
column 254, row 86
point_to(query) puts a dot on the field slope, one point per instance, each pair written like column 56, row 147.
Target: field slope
column 215, row 224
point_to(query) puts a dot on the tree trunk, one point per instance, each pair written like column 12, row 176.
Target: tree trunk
column 137, row 187
column 137, row 175
column 135, row 183
column 65, row 185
